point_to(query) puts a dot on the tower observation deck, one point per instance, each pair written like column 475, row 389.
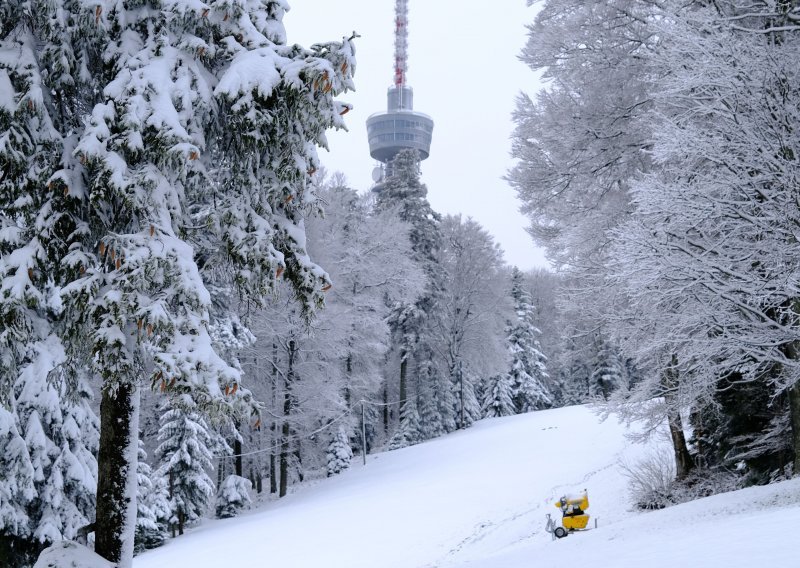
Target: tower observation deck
column 400, row 127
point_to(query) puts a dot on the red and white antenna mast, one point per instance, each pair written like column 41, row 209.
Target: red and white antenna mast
column 400, row 43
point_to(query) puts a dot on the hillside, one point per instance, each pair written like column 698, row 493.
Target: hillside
column 478, row 499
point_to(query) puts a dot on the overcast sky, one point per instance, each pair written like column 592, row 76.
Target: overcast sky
column 464, row 70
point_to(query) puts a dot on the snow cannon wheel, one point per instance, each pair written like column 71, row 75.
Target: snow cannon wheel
column 560, row 532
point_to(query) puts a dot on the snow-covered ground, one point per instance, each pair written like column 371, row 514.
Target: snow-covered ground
column 478, row 499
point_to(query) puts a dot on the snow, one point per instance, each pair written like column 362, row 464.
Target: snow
column 250, row 71
column 7, row 93
column 478, row 499
column 67, row 554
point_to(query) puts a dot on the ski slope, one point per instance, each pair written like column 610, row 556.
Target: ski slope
column 478, row 499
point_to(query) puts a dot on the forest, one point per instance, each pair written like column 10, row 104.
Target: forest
column 195, row 314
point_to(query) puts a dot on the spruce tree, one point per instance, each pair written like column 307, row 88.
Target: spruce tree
column 61, row 435
column 16, row 491
column 497, row 399
column 528, row 372
column 339, row 452
column 233, row 496
column 152, row 506
column 430, row 402
column 409, row 432
column 608, row 373
column 185, row 456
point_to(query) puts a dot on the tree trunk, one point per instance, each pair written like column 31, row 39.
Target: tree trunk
column 171, row 495
column 683, row 459
column 403, row 371
column 237, row 452
column 284, row 460
column 461, row 394
column 386, row 407
column 287, row 410
column 794, row 412
column 116, row 474
column 793, row 352
column 273, row 478
column 348, row 369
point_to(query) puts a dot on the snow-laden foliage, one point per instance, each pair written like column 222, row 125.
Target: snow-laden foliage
column 233, row 496
column 582, row 140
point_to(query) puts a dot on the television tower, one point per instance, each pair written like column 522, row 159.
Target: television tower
column 399, row 128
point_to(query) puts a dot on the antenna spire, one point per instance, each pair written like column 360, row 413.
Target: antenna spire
column 400, row 42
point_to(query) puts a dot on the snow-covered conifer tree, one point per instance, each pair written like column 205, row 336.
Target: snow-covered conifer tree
column 61, row 434
column 185, row 456
column 339, row 452
column 408, row 432
column 16, row 489
column 608, row 373
column 233, row 496
column 464, row 389
column 436, row 408
column 152, row 506
column 497, row 398
column 528, row 373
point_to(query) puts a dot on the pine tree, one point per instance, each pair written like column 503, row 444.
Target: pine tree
column 233, row 496
column 185, row 456
column 497, row 399
column 339, row 452
column 528, row 372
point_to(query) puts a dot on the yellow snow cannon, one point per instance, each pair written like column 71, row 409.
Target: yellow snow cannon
column 573, row 516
